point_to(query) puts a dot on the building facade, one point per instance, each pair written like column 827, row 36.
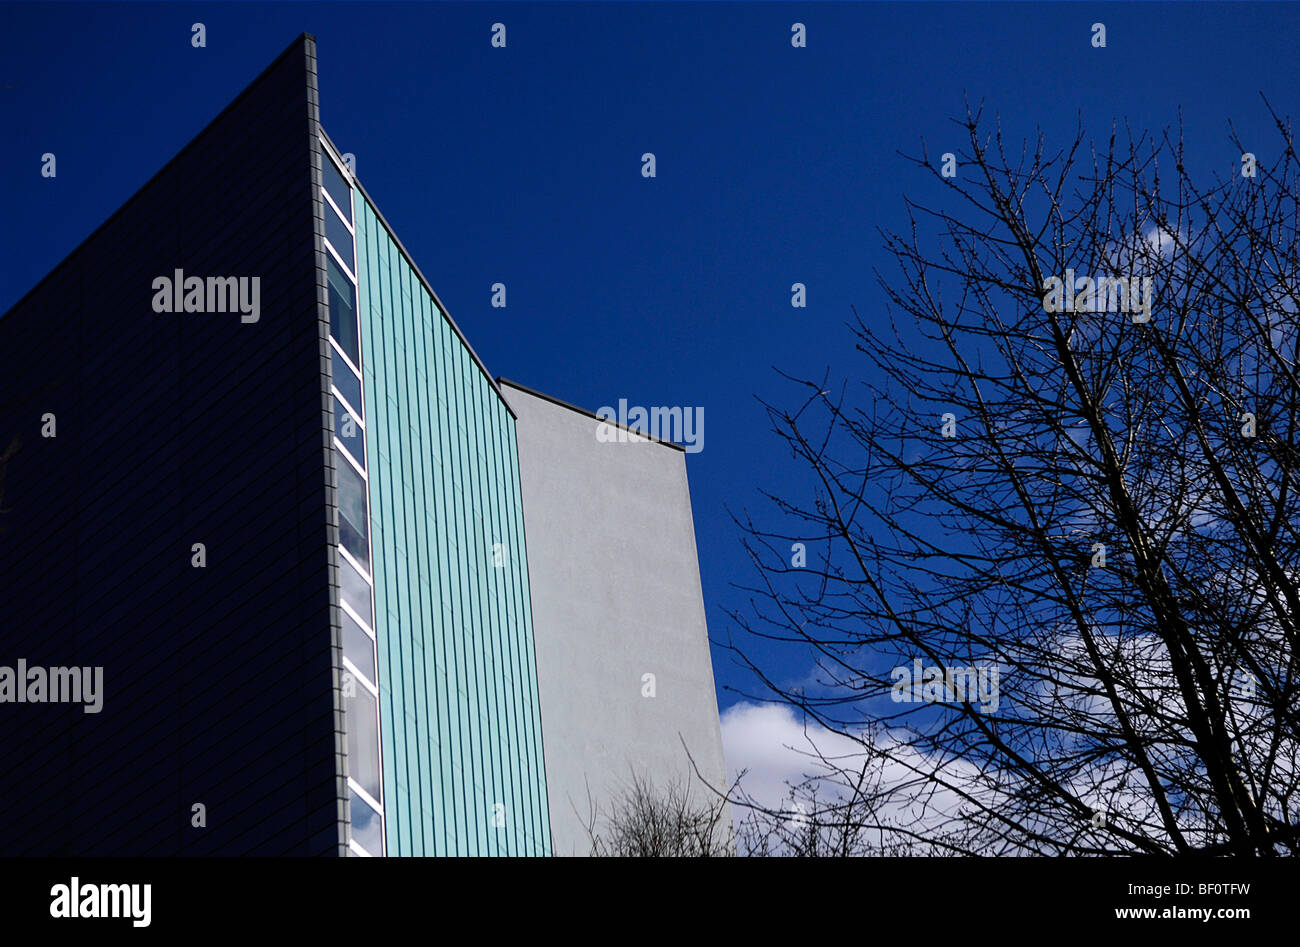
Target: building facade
column 254, row 477
column 619, row 616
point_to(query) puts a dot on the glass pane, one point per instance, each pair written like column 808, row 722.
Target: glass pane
column 358, row 647
column 356, row 590
column 352, row 514
column 334, row 183
column 343, row 311
column 348, row 430
column 366, row 830
column 339, row 238
column 363, row 740
column 347, row 382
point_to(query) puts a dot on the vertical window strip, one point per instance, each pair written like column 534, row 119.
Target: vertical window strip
column 359, row 315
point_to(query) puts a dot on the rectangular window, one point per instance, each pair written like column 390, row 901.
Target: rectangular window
column 339, row 238
column 353, row 527
column 363, row 742
column 348, row 384
column 343, row 311
column 336, row 184
column 366, row 829
column 358, row 647
column 356, row 590
column 347, row 428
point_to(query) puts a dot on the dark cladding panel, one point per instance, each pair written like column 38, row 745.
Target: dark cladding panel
column 175, row 429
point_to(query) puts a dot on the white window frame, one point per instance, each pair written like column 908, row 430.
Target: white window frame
column 374, row 648
column 352, row 613
column 365, row 573
column 329, row 200
column 353, row 844
column 355, row 416
column 347, row 270
column 360, row 675
column 341, row 167
column 356, row 371
column 369, row 799
column 356, row 465
column 349, row 222
column 343, row 447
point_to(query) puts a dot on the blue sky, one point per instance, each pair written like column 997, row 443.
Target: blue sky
column 521, row 165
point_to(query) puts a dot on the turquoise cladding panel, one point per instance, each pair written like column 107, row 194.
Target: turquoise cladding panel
column 462, row 742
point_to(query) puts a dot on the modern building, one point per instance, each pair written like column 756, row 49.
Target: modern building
column 618, row 614
column 284, row 570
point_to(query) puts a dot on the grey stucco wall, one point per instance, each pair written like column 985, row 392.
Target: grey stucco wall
column 616, row 595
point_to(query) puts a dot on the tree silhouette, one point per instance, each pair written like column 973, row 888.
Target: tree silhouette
column 1098, row 506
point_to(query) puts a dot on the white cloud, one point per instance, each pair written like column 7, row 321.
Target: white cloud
column 777, row 750
column 770, row 742
column 1161, row 241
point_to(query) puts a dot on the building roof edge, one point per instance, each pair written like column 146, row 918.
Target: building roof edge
column 591, row 414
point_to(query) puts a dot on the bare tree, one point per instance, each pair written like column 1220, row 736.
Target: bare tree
column 1068, row 474
column 848, row 821
column 661, row 821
